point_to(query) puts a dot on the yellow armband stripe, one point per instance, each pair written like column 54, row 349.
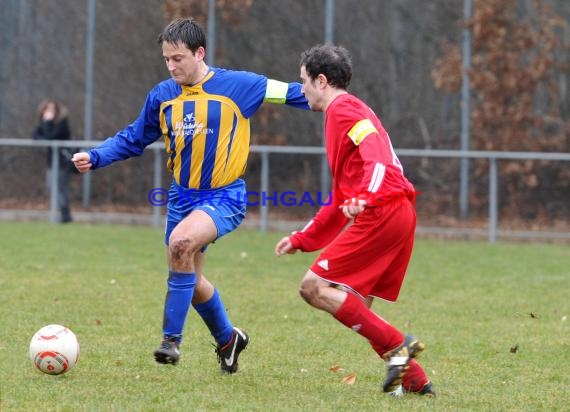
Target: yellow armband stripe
column 276, row 92
column 360, row 130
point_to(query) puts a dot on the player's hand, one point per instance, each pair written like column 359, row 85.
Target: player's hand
column 352, row 207
column 284, row 246
column 82, row 161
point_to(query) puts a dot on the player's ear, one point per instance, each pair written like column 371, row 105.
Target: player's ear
column 200, row 53
column 322, row 80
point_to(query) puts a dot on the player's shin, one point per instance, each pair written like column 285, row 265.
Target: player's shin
column 216, row 318
column 177, row 304
column 354, row 314
column 415, row 378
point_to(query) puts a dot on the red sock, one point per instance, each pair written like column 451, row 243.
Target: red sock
column 415, row 378
column 354, row 314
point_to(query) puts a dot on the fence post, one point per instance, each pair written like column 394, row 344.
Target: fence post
column 89, row 80
column 264, row 205
column 211, row 36
column 465, row 113
column 493, row 199
column 53, row 182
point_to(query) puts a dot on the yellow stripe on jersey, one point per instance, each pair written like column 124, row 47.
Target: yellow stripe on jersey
column 198, row 141
column 232, row 144
column 221, row 164
column 361, row 130
column 240, row 149
column 276, row 92
column 178, row 113
column 164, row 130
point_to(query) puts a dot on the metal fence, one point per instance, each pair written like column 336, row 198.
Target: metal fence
column 265, row 153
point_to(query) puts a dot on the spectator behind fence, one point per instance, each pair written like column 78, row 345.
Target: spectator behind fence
column 53, row 124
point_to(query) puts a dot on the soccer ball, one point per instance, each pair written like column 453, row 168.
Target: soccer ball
column 54, row 349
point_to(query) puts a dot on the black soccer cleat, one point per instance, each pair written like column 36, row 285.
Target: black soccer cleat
column 398, row 360
column 167, row 352
column 229, row 353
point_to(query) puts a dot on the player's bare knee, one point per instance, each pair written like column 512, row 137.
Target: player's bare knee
column 304, row 294
column 309, row 291
column 182, row 249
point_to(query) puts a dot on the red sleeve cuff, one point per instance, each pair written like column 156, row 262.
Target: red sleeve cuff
column 295, row 242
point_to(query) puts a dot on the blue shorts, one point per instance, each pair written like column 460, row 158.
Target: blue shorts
column 225, row 205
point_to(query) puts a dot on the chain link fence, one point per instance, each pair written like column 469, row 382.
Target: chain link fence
column 394, row 44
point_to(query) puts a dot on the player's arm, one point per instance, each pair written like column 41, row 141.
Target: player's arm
column 127, row 143
column 256, row 89
column 321, row 230
column 285, row 93
column 380, row 167
column 377, row 155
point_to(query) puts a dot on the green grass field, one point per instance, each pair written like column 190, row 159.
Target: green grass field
column 472, row 303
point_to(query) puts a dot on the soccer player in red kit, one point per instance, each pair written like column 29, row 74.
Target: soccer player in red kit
column 373, row 200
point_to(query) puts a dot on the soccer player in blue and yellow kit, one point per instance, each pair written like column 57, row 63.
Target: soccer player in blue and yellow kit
column 203, row 114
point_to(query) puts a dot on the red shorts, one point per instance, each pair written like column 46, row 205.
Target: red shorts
column 372, row 255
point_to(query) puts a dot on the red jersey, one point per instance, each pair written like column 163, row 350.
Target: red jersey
column 363, row 165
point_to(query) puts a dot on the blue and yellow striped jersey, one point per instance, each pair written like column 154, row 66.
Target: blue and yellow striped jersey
column 206, row 126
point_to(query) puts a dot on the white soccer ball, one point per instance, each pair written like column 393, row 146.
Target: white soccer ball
column 54, row 349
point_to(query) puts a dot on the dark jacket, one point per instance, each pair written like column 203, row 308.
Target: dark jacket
column 57, row 129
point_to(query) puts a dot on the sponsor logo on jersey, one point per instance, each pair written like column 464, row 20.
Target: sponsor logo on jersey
column 190, row 127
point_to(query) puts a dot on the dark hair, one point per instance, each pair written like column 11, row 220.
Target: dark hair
column 185, row 30
column 334, row 62
column 60, row 110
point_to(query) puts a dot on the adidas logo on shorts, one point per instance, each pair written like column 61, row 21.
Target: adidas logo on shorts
column 324, row 264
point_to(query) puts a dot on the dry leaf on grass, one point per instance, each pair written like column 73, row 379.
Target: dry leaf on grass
column 336, row 368
column 349, row 379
